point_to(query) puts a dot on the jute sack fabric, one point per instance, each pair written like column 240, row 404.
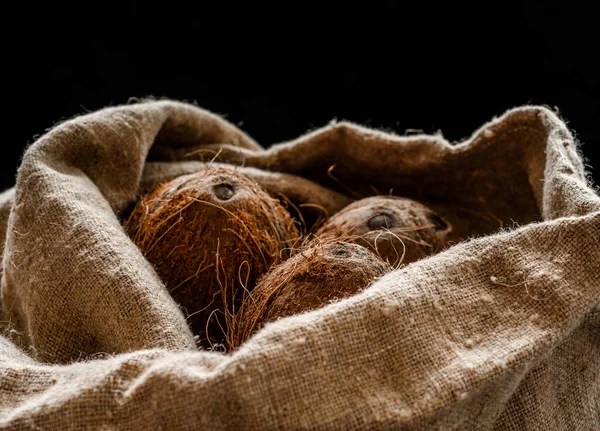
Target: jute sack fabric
column 500, row 332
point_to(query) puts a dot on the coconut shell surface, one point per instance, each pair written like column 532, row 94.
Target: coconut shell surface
column 209, row 236
column 311, row 279
column 397, row 229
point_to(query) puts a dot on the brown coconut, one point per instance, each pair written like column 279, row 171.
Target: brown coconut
column 311, row 279
column 399, row 230
column 209, row 236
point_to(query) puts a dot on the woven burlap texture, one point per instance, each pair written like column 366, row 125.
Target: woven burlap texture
column 500, row 332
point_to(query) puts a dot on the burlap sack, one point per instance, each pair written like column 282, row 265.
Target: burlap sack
column 501, row 332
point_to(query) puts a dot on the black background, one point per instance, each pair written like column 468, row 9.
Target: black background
column 278, row 71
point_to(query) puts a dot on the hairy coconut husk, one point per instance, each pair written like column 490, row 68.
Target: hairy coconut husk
column 210, row 235
column 397, row 229
column 312, row 278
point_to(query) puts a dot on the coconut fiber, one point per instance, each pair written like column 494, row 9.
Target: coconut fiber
column 498, row 332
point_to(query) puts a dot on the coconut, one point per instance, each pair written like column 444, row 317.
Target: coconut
column 209, row 236
column 397, row 229
column 312, row 278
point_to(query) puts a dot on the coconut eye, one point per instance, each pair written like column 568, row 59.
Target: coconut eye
column 340, row 251
column 438, row 222
column 380, row 221
column 223, row 191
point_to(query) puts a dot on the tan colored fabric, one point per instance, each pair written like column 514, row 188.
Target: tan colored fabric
column 501, row 332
